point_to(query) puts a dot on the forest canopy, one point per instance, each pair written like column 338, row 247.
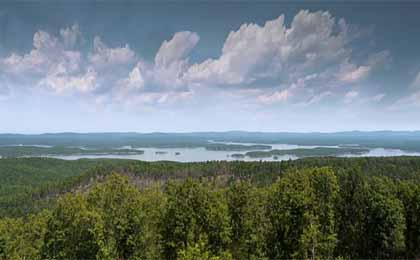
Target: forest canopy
column 120, row 209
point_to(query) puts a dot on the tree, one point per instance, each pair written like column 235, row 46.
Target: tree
column 23, row 238
column 193, row 213
column 409, row 194
column 71, row 230
column 120, row 230
column 351, row 210
column 248, row 221
column 301, row 214
column 384, row 222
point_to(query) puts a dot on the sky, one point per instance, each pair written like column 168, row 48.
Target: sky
column 120, row 66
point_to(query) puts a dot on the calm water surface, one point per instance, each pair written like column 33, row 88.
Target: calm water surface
column 200, row 154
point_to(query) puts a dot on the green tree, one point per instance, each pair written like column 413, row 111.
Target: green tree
column 351, row 210
column 301, row 214
column 194, row 212
column 384, row 222
column 248, row 221
column 71, row 230
column 22, row 238
column 119, row 231
column 409, row 193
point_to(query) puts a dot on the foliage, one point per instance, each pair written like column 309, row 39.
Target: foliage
column 364, row 208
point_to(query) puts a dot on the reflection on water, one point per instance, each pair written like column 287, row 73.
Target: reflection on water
column 277, row 146
column 200, row 154
column 26, row 145
column 381, row 152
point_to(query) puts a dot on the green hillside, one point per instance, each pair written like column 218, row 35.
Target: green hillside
column 120, row 209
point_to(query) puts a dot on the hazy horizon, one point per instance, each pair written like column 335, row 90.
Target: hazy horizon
column 210, row 131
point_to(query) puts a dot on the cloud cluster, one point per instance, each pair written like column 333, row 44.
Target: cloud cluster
column 304, row 62
column 307, row 61
column 52, row 63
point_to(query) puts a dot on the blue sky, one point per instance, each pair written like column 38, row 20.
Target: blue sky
column 183, row 66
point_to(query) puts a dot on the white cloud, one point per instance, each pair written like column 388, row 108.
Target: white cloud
column 301, row 63
column 351, row 96
column 411, row 100
column 104, row 57
column 350, row 73
column 277, row 96
column 49, row 64
column 312, row 44
column 61, row 82
column 135, row 79
column 168, row 71
column 71, row 36
column 354, row 74
column 295, row 63
column 378, row 97
column 178, row 48
column 316, row 98
column 406, row 103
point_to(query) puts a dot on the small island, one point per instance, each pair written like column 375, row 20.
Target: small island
column 238, row 155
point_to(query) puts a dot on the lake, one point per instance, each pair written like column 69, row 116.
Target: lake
column 200, row 154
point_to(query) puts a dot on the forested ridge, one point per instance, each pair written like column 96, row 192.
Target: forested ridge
column 120, row 209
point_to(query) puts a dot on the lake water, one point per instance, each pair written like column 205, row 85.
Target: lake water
column 200, row 154
column 381, row 152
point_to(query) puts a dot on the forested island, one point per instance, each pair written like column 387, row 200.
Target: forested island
column 302, row 152
column 21, row 151
column 235, row 145
column 123, row 209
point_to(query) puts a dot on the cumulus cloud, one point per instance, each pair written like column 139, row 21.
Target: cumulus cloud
column 167, row 75
column 54, row 63
column 313, row 43
column 104, row 57
column 60, row 81
column 176, row 49
column 71, row 36
column 303, row 62
column 49, row 58
column 311, row 57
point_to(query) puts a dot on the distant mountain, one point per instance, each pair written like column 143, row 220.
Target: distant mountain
column 406, row 140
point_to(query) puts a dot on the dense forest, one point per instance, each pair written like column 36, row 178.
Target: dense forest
column 316, row 208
